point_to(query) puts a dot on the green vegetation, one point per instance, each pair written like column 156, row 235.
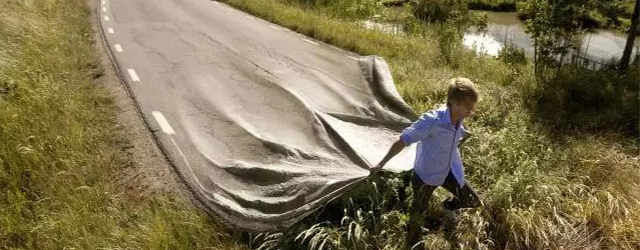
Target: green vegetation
column 557, row 167
column 60, row 147
column 343, row 8
column 554, row 30
column 611, row 14
column 493, row 5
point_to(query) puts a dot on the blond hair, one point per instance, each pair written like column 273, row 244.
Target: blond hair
column 461, row 89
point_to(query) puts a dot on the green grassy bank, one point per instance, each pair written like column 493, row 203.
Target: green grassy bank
column 554, row 171
column 60, row 145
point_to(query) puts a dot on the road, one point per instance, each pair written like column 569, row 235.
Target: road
column 263, row 124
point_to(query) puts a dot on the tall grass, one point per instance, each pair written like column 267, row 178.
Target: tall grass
column 543, row 187
column 60, row 146
column 346, row 9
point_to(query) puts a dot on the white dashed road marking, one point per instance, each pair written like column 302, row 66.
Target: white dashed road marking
column 110, row 30
column 164, row 124
column 353, row 58
column 274, row 27
column 118, row 47
column 104, row 9
column 106, row 18
column 133, row 75
column 250, row 17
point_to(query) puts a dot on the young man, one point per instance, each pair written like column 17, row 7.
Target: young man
column 438, row 133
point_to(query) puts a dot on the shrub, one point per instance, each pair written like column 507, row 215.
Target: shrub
column 586, row 99
column 440, row 11
column 512, row 55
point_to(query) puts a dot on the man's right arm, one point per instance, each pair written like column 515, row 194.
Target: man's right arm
column 393, row 151
column 414, row 133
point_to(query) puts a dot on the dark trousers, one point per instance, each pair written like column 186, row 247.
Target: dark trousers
column 464, row 197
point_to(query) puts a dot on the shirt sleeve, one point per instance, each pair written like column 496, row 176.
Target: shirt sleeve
column 418, row 130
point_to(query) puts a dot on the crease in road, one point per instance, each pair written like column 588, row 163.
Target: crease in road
column 275, row 129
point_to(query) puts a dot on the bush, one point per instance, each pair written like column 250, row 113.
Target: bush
column 345, row 8
column 591, row 100
column 448, row 20
column 449, row 42
column 512, row 55
column 601, row 14
column 439, row 11
column 503, row 6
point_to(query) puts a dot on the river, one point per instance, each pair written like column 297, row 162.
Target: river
column 505, row 28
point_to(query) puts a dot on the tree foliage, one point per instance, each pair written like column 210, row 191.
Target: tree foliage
column 554, row 26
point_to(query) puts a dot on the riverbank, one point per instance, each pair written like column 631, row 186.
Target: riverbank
column 598, row 48
column 71, row 147
column 505, row 29
column 546, row 184
column 594, row 19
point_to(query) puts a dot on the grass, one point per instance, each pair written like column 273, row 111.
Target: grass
column 546, row 185
column 60, row 146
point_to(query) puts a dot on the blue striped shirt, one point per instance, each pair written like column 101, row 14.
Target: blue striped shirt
column 437, row 150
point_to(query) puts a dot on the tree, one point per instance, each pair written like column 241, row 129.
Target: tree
column 451, row 18
column 554, row 26
column 633, row 31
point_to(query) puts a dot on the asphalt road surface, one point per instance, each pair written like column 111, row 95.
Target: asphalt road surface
column 263, row 124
